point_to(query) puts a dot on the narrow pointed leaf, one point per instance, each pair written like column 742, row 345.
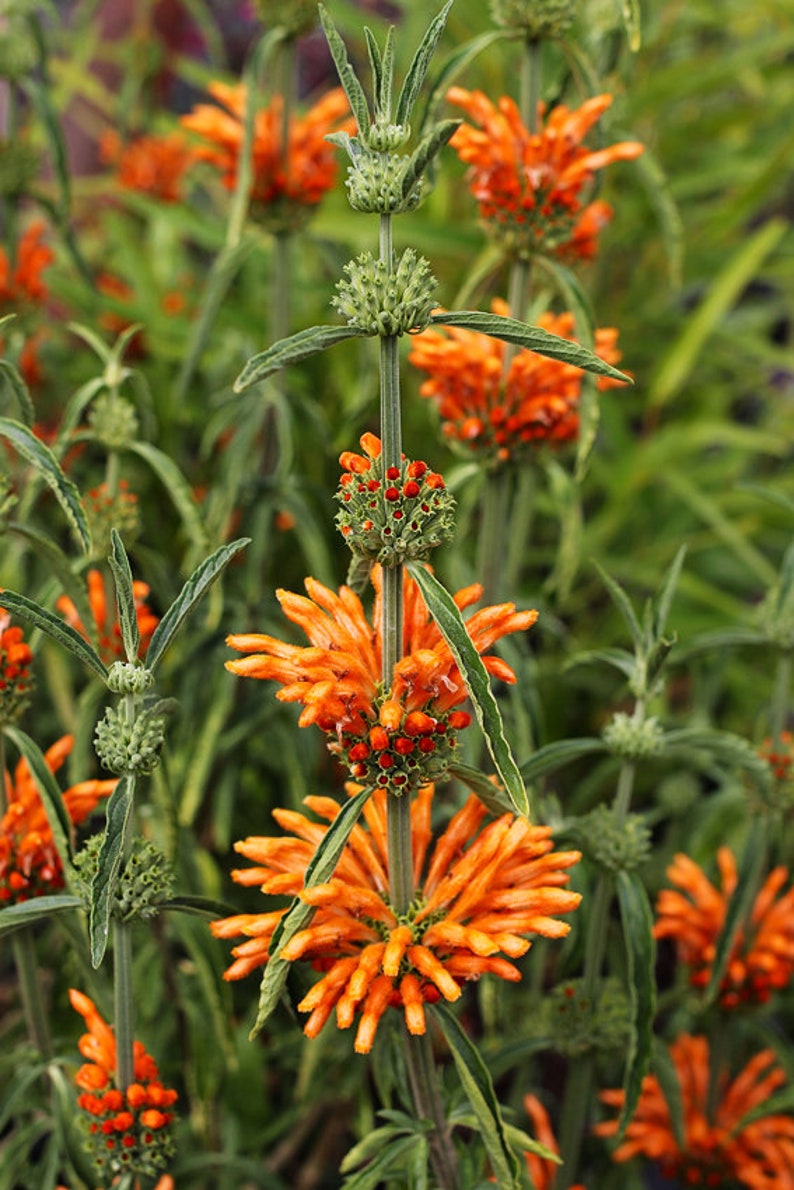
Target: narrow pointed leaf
column 477, row 1085
column 20, row 391
column 194, row 589
column 637, row 919
column 384, row 96
column 452, row 627
column 320, row 869
column 553, row 756
column 125, row 598
column 97, row 345
column 426, row 150
column 780, row 1104
column 415, row 76
column 347, row 76
column 618, row 658
column 665, row 1070
column 28, row 913
column 376, row 66
column 61, row 632
column 623, row 603
column 103, row 886
column 41, row 99
column 177, row 487
column 751, row 867
column 49, row 792
column 725, row 748
column 664, row 599
column 41, row 457
column 492, row 796
column 198, row 906
column 533, row 338
column 291, row 351
column 630, row 12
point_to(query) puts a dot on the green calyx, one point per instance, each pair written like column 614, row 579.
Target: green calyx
column 381, row 301
column 114, row 421
column 146, row 880
column 134, row 747
column 580, row 1023
column 634, row 739
column 618, row 844
column 535, row 18
column 125, row 677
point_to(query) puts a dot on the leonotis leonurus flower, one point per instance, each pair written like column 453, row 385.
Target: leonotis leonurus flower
column 16, row 682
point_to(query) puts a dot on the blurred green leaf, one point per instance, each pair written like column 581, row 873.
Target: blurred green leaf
column 637, row 920
column 125, row 599
column 291, row 351
column 38, row 909
column 103, row 885
column 35, row 452
column 61, row 632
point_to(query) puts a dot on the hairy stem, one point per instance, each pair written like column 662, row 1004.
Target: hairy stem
column 427, row 1101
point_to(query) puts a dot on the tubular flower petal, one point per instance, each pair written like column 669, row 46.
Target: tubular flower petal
column 529, row 184
column 542, row 1171
column 453, row 931
column 290, row 186
column 29, row 861
column 106, row 629
column 498, row 415
column 129, row 1127
column 154, row 165
column 718, row 1149
column 693, row 915
column 16, row 683
column 398, row 738
column 21, row 283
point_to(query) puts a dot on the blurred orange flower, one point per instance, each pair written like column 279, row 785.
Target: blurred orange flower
column 479, row 896
column 296, row 180
column 497, row 415
column 21, row 282
column 106, row 630
column 529, row 184
column 127, row 1129
column 29, row 862
column 154, row 165
column 542, row 1172
column 762, row 959
column 15, row 679
column 718, row 1149
column 394, row 738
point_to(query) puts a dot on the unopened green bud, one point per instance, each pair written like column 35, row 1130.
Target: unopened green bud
column 375, row 184
column 114, row 421
column 135, row 747
column 777, row 618
column 145, row 881
column 537, row 18
column 632, row 738
column 382, row 302
column 581, row 1023
column 619, row 845
column 18, row 52
column 385, row 138
column 19, row 164
column 294, row 16
column 127, row 677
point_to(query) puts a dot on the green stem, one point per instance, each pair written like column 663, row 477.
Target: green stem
column 494, row 526
column 780, row 699
column 123, row 994
column 529, row 92
column 427, row 1101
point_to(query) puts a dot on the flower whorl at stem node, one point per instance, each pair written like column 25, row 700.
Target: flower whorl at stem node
column 537, row 18
column 617, row 844
column 376, row 183
column 19, row 165
column 632, row 738
column 125, row 677
column 581, row 1023
column 114, row 421
column 135, row 747
column 392, row 515
column 145, row 881
column 380, row 301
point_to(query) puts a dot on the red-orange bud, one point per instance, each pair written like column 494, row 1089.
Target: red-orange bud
column 418, row 723
column 379, row 738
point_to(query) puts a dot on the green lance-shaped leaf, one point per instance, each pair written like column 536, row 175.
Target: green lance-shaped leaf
column 291, row 351
column 125, row 598
column 533, row 338
column 553, row 756
column 780, row 1104
column 492, row 796
column 198, row 906
column 103, row 886
column 477, row 1085
column 177, row 487
column 37, row 909
column 630, row 12
column 751, row 867
column 412, row 84
column 452, row 627
column 56, row 629
column 49, row 792
column 664, row 599
column 40, row 97
column 41, row 457
column 194, row 589
column 637, row 919
column 725, row 747
column 667, row 1076
column 623, row 603
column 378, row 79
column 438, row 136
column 347, row 75
column 19, row 389
column 320, row 869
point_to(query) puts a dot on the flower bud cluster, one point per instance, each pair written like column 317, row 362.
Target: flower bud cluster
column 294, row 16
column 16, row 683
column 384, row 137
column 130, row 1131
column 375, row 183
column 402, row 750
column 134, row 747
column 145, row 881
column 779, row 755
column 379, row 301
column 580, row 1023
column 617, row 845
column 633, row 739
column 114, row 421
column 19, row 165
column 127, row 677
column 105, row 512
column 394, row 514
column 18, row 51
column 536, row 18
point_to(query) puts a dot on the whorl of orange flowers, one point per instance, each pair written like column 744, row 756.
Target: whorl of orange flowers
column 542, row 1171
column 693, row 916
column 718, row 1149
column 15, row 677
column 296, row 179
column 21, row 282
column 29, row 863
column 391, row 738
column 127, row 1128
column 106, row 625
column 154, row 165
column 497, row 415
column 479, row 896
column 529, row 184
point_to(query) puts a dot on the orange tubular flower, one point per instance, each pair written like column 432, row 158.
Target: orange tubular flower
column 478, row 897
column 529, row 184
column 154, row 165
column 395, row 738
column 761, row 961
column 106, row 630
column 15, row 680
column 491, row 414
column 22, row 282
column 128, row 1129
column 718, row 1150
column 29, row 863
column 542, row 1172
column 297, row 183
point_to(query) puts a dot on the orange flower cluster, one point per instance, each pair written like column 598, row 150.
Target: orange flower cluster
column 718, row 1149
column 500, row 415
column 542, row 1172
column 529, row 184
column 479, row 898
column 154, row 165
column 22, row 283
column 29, row 862
column 395, row 738
column 127, row 1127
column 779, row 754
column 106, row 630
column 15, row 659
column 293, row 180
column 762, row 960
